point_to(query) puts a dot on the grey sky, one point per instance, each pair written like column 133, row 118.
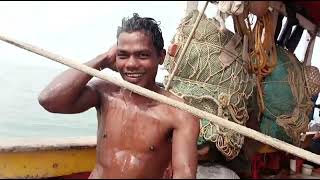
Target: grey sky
column 77, row 30
column 81, row 30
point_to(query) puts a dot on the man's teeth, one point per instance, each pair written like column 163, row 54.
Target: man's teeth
column 134, row 75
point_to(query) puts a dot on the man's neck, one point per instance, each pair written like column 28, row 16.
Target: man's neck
column 137, row 98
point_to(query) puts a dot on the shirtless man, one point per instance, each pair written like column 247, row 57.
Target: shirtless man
column 137, row 136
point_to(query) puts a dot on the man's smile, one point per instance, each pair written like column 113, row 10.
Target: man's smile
column 134, row 74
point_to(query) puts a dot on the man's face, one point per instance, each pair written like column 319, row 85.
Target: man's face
column 137, row 59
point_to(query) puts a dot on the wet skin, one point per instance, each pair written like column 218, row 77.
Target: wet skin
column 137, row 137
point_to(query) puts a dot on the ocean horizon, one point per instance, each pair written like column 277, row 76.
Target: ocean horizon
column 23, row 117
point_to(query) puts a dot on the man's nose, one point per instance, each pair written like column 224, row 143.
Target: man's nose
column 132, row 62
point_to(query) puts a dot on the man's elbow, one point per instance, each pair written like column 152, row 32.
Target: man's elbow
column 47, row 103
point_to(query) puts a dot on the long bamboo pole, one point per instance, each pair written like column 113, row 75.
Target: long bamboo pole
column 153, row 95
column 186, row 45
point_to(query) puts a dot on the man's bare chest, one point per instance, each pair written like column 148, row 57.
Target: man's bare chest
column 132, row 125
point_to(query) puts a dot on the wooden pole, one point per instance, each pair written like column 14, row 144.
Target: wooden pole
column 311, row 38
column 186, row 45
column 153, row 95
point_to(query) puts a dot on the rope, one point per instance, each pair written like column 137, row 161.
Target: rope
column 264, row 57
column 261, row 47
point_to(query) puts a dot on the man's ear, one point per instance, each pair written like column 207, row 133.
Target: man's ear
column 162, row 56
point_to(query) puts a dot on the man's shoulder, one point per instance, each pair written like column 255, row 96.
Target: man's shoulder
column 172, row 96
column 102, row 86
column 180, row 115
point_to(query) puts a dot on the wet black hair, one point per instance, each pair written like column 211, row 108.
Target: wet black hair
column 146, row 24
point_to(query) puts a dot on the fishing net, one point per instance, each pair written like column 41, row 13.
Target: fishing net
column 286, row 100
column 313, row 80
column 212, row 77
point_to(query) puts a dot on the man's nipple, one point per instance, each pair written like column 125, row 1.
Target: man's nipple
column 152, row 148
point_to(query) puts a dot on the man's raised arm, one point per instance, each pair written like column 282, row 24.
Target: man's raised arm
column 69, row 93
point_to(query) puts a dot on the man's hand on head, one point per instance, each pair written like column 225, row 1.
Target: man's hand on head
column 112, row 52
column 108, row 59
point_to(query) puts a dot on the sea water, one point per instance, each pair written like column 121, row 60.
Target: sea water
column 21, row 114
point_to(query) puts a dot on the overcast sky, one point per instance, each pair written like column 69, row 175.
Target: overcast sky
column 81, row 30
column 78, row 30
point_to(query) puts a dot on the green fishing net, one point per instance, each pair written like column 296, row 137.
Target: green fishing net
column 286, row 100
column 213, row 78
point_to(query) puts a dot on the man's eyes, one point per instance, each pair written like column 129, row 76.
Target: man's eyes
column 122, row 56
column 144, row 55
column 139, row 55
